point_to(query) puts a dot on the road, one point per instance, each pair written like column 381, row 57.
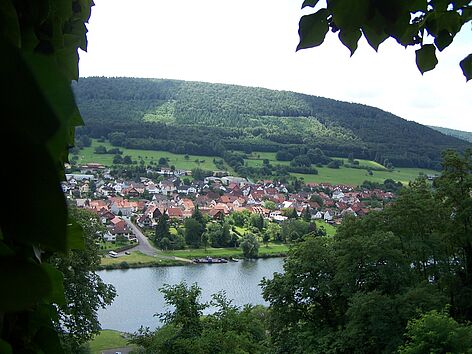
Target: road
column 144, row 246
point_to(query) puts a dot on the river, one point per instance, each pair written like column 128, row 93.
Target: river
column 138, row 298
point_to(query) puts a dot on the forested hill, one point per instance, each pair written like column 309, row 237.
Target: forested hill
column 208, row 119
column 467, row 136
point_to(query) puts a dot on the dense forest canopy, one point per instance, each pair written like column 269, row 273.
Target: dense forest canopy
column 208, row 119
column 467, row 136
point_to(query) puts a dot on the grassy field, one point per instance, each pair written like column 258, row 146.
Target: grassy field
column 107, row 339
column 330, row 229
column 342, row 175
column 87, row 155
column 350, row 176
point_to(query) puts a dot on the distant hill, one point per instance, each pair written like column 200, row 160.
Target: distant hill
column 208, row 119
column 467, row 136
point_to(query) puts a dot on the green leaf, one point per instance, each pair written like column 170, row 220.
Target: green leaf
column 310, row 3
column 374, row 38
column 57, row 281
column 75, row 236
column 466, row 66
column 48, row 340
column 443, row 40
column 348, row 14
column 417, row 5
column 62, row 9
column 426, row 58
column 312, row 29
column 350, row 39
column 18, row 279
column 5, row 347
column 10, row 28
column 448, row 21
column 5, row 250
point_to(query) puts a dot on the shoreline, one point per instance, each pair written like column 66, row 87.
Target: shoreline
column 172, row 263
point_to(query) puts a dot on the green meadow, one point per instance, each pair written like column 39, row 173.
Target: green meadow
column 343, row 175
column 87, row 155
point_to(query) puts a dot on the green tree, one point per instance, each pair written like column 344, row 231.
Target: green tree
column 409, row 23
column 193, row 232
column 163, row 161
column 270, row 205
column 355, row 292
column 127, row 160
column 100, row 149
column 437, row 332
column 85, row 292
column 306, row 215
column 197, row 215
column 275, row 232
column 117, row 160
column 240, row 217
column 162, row 229
column 250, row 246
column 350, row 157
column 257, row 221
column 266, row 238
column 228, row 330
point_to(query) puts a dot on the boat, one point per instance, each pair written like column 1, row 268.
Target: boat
column 210, row 260
column 234, row 259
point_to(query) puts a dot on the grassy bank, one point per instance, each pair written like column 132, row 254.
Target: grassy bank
column 137, row 260
column 273, row 250
column 107, row 339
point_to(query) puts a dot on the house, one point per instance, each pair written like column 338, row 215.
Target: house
column 328, row 216
column 119, row 228
column 152, row 188
column 216, row 214
column 183, row 189
column 175, row 213
column 167, row 187
column 277, row 216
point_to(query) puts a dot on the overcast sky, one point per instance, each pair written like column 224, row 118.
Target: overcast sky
column 252, row 43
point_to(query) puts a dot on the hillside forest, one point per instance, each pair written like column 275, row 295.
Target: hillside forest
column 215, row 119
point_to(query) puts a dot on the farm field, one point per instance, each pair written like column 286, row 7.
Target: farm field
column 349, row 176
column 342, row 175
column 87, row 155
column 355, row 177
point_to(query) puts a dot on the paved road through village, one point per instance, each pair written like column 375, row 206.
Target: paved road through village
column 144, row 246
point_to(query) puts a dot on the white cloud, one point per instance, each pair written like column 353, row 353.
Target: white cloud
column 252, row 42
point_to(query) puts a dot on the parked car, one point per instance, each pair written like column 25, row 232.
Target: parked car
column 128, row 252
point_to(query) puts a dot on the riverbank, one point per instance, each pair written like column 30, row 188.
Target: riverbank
column 137, row 259
column 164, row 259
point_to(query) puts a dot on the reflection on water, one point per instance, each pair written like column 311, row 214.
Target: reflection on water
column 139, row 299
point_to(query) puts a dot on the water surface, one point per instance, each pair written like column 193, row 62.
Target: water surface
column 138, row 297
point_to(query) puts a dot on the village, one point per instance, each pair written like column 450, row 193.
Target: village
column 144, row 201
